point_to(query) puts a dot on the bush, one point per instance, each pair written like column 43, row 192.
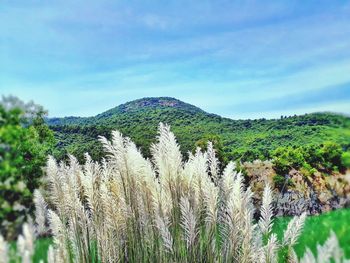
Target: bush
column 326, row 157
column 285, row 158
column 331, row 154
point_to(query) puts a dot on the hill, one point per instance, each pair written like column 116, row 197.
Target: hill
column 235, row 139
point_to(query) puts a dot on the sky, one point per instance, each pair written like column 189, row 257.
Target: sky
column 239, row 59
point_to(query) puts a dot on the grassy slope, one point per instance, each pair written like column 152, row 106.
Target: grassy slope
column 317, row 229
column 250, row 139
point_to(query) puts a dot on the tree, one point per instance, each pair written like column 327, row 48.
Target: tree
column 25, row 141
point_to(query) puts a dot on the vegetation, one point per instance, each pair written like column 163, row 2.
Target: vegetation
column 25, row 142
column 326, row 157
column 244, row 140
column 127, row 209
column 177, row 204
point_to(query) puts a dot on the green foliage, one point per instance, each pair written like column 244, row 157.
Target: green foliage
column 307, row 170
column 23, row 153
column 326, row 157
column 345, row 159
column 331, row 154
column 281, row 182
column 285, row 158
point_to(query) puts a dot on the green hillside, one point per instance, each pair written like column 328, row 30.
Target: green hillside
column 236, row 139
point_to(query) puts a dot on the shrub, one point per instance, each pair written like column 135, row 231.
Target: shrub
column 331, row 153
column 326, row 157
column 285, row 158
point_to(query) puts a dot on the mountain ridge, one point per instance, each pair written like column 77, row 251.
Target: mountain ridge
column 154, row 102
column 239, row 139
column 132, row 106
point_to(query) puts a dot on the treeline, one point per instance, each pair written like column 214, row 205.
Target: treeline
column 243, row 140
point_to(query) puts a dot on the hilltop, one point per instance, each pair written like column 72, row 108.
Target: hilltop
column 131, row 107
column 237, row 139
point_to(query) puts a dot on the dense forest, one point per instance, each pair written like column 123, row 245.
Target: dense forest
column 243, row 140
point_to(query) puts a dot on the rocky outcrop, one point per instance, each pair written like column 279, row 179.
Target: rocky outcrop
column 313, row 194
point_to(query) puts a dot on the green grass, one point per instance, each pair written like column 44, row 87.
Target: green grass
column 41, row 247
column 317, row 230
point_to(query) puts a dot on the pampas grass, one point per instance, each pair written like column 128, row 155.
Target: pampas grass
column 130, row 209
column 40, row 213
column 3, row 250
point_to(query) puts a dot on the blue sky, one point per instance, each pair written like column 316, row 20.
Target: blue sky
column 239, row 59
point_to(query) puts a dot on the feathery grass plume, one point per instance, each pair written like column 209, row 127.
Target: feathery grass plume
column 166, row 153
column 165, row 233
column 40, row 213
column 115, row 149
column 213, row 162
column 51, row 255
column 3, row 250
column 25, row 243
column 248, row 249
column 266, row 211
column 55, row 181
column 293, row 231
column 188, row 221
column 226, row 182
column 308, row 257
column 271, row 249
column 59, row 236
column 211, row 197
column 225, row 187
column 234, row 220
column 330, row 251
column 292, row 256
